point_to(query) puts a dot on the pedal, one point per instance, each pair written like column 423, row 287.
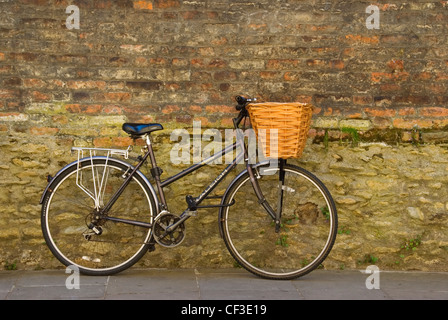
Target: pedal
column 151, row 247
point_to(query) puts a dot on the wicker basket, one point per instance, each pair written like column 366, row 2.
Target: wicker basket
column 292, row 120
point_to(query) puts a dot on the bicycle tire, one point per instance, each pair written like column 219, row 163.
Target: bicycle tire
column 66, row 211
column 249, row 232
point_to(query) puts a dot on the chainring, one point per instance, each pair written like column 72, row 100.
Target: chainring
column 168, row 239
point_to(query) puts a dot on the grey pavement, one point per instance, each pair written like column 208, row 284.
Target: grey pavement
column 220, row 284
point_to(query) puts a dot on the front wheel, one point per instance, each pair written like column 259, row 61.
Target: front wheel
column 308, row 224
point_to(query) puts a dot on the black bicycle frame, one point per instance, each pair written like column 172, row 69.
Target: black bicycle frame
column 193, row 203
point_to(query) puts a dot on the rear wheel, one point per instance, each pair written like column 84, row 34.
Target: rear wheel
column 308, row 225
column 75, row 231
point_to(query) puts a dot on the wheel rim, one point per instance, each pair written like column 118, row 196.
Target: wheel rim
column 246, row 247
column 66, row 219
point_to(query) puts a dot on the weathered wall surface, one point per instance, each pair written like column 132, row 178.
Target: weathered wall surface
column 174, row 62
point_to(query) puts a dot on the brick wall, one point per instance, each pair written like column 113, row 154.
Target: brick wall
column 173, row 61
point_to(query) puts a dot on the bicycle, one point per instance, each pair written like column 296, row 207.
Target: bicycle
column 102, row 214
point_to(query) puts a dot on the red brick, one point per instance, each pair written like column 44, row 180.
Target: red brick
column 158, row 61
column 5, row 69
column 351, row 38
column 40, row 96
column 353, row 114
column 291, row 76
column 437, row 88
column 257, row 26
column 143, row 5
column 111, row 109
column 362, row 100
column 422, row 76
column 406, row 112
column 43, row 131
column 113, row 96
column 396, row 65
column 218, row 108
column 33, row 83
column 316, row 110
column 217, row 63
column 336, row 64
column 386, row 76
column 35, row 2
column 199, row 63
column 12, row 82
column 6, row 94
column 434, row 112
column 77, row 108
column 180, row 62
column 141, row 62
column 269, row 75
column 169, row 15
column 441, row 76
column 219, row 41
column 165, row 4
column 170, row 109
column 103, row 4
column 373, row 112
column 189, row 15
column 304, row 99
column 411, row 123
column 416, row 100
column 390, row 87
column 195, row 109
column 316, row 62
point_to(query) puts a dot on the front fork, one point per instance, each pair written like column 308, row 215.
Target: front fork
column 275, row 215
column 281, row 183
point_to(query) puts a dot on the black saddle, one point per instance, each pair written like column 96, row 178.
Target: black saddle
column 139, row 129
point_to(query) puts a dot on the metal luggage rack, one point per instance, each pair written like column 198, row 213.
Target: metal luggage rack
column 108, row 152
column 97, row 190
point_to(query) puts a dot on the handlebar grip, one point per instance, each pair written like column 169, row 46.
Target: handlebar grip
column 241, row 99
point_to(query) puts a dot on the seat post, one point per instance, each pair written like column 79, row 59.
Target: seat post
column 155, row 171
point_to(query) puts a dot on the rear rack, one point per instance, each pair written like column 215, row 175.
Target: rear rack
column 97, row 190
column 109, row 152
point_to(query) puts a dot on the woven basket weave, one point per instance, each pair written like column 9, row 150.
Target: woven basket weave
column 292, row 121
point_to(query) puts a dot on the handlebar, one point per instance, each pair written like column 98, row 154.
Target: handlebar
column 243, row 102
column 241, row 106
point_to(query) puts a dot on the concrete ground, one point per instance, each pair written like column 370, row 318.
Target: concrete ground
column 221, row 284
